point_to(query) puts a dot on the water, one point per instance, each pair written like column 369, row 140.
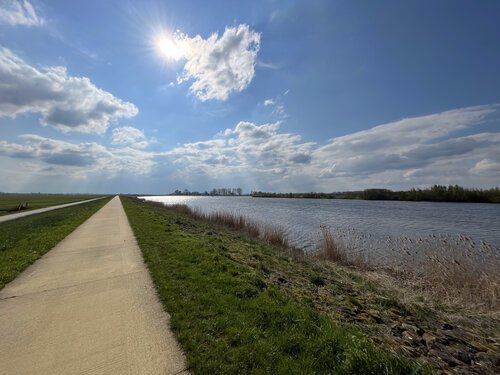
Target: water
column 301, row 218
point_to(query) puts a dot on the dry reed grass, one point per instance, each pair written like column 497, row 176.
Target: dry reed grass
column 179, row 208
column 455, row 270
column 331, row 248
column 272, row 234
column 275, row 236
column 452, row 270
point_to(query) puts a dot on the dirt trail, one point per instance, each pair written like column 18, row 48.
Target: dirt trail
column 88, row 307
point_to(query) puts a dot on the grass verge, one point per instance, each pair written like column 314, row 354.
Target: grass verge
column 10, row 202
column 231, row 311
column 24, row 240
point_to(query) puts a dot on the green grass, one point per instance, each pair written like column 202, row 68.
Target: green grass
column 24, row 240
column 12, row 201
column 230, row 317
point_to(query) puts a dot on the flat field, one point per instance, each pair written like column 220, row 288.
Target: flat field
column 24, row 240
column 10, row 202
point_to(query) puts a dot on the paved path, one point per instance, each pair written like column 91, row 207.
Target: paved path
column 88, row 307
column 9, row 217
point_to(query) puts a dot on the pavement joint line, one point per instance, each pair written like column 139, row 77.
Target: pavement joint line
column 70, row 286
column 90, row 354
column 85, row 249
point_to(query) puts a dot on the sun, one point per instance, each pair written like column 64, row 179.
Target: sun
column 172, row 48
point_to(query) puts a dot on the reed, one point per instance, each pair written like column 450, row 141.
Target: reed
column 272, row 234
column 330, row 248
column 180, row 208
column 452, row 269
column 275, row 235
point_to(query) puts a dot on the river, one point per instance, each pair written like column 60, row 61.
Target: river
column 301, row 218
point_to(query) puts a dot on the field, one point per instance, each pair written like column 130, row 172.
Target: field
column 10, row 202
column 24, row 240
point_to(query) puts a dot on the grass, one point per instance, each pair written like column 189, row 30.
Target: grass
column 241, row 305
column 24, row 240
column 10, row 202
column 271, row 234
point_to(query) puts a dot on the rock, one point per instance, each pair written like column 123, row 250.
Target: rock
column 411, row 338
column 282, row 280
column 374, row 315
column 446, row 327
column 464, row 357
column 445, row 357
column 454, row 340
column 429, row 339
column 409, row 351
column 413, row 328
column 346, row 312
column 488, row 360
column 377, row 319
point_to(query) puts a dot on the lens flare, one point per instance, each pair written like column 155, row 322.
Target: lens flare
column 172, row 48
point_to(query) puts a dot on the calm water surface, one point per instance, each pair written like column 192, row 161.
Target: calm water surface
column 301, row 218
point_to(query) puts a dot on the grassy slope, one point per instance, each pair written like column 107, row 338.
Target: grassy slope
column 231, row 316
column 24, row 240
column 9, row 201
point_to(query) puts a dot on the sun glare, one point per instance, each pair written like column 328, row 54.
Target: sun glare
column 172, row 48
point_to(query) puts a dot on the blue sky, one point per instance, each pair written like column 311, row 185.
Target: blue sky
column 152, row 96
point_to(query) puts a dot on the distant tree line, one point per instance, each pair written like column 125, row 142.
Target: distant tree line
column 436, row 193
column 214, row 192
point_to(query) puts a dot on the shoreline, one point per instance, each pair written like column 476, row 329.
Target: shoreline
column 395, row 319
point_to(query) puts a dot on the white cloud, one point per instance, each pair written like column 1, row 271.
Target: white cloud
column 490, row 164
column 128, row 135
column 262, row 64
column 404, row 144
column 452, row 147
column 65, row 102
column 221, row 65
column 77, row 159
column 410, row 152
column 247, row 148
column 17, row 12
column 278, row 108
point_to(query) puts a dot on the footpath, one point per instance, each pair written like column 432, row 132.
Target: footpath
column 88, row 307
column 40, row 210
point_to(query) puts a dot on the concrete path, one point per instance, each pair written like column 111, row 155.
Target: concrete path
column 88, row 307
column 9, row 217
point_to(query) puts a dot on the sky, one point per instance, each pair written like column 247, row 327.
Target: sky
column 147, row 97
